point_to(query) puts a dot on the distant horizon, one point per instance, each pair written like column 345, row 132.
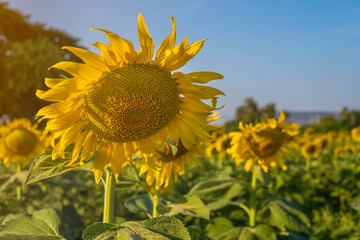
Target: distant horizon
column 277, row 113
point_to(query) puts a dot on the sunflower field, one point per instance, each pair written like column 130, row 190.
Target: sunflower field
column 123, row 145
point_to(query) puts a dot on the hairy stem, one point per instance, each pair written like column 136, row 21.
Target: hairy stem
column 252, row 214
column 109, row 197
column 18, row 187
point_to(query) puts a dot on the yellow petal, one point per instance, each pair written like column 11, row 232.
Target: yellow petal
column 70, row 134
column 145, row 146
column 51, row 82
column 78, row 146
column 88, row 57
column 183, row 57
column 56, row 109
column 174, row 55
column 76, row 69
column 203, row 77
column 102, row 159
column 187, row 135
column 146, row 43
column 167, row 44
column 209, row 92
column 65, row 121
column 107, row 54
column 89, row 146
column 129, row 150
column 124, row 48
column 57, row 95
column 282, row 117
column 118, row 160
column 144, row 168
column 195, row 106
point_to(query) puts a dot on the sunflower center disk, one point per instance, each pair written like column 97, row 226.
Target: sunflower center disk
column 20, row 141
column 311, row 149
column 266, row 142
column 132, row 102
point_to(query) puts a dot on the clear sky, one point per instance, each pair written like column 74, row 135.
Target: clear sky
column 301, row 55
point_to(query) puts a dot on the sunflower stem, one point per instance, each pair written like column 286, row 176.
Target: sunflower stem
column 155, row 199
column 220, row 163
column 307, row 165
column 252, row 214
column 18, row 187
column 109, row 197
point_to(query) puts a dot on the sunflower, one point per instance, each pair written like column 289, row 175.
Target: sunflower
column 343, row 136
column 308, row 131
column 262, row 143
column 355, row 134
column 322, row 142
column 341, row 151
column 171, row 164
column 211, row 150
column 310, row 149
column 20, row 142
column 223, row 144
column 171, row 158
column 124, row 100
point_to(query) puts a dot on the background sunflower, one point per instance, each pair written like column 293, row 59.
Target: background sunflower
column 20, row 142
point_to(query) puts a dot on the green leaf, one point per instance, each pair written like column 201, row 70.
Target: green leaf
column 100, row 231
column 223, row 203
column 160, row 228
column 13, row 180
column 193, row 206
column 264, row 232
column 285, row 215
column 218, row 226
column 260, row 232
column 125, row 182
column 140, row 203
column 42, row 224
column 237, row 233
column 174, row 148
column 43, row 166
column 298, row 236
column 355, row 203
column 212, row 189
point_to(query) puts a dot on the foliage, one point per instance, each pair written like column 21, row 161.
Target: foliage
column 249, row 111
column 27, row 50
column 42, row 224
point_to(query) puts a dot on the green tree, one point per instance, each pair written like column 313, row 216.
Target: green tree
column 351, row 117
column 27, row 50
column 268, row 111
column 248, row 112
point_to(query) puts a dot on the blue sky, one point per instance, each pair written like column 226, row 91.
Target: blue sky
column 301, row 55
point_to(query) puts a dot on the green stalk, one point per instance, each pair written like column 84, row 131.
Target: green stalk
column 252, row 214
column 109, row 197
column 155, row 199
column 220, row 162
column 307, row 165
column 18, row 187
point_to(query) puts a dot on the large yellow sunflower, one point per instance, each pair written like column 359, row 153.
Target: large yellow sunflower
column 262, row 143
column 125, row 100
column 20, row 142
